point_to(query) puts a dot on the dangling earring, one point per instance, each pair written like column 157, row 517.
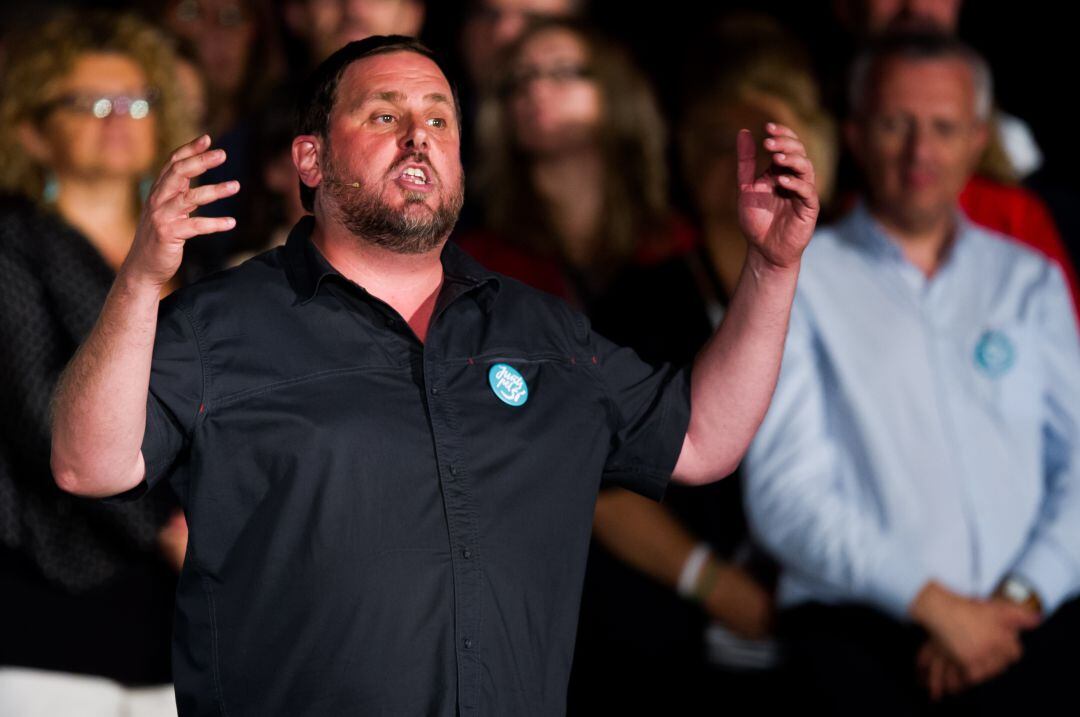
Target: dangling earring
column 145, row 185
column 51, row 191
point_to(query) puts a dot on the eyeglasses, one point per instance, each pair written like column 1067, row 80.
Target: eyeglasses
column 559, row 74
column 101, row 106
column 231, row 15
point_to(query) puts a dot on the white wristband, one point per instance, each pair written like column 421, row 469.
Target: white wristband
column 691, row 569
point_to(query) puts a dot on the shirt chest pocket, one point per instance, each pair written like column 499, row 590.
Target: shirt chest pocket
column 511, row 405
column 1005, row 370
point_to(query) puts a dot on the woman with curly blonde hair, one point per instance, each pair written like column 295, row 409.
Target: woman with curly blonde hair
column 89, row 105
column 88, row 109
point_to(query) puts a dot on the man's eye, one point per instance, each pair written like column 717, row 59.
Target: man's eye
column 384, row 118
column 437, row 122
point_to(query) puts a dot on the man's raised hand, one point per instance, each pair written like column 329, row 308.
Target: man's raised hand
column 778, row 209
column 166, row 223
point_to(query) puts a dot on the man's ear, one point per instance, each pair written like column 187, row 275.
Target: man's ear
column 306, row 151
column 34, row 143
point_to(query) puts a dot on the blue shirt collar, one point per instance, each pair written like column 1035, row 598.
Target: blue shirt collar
column 868, row 234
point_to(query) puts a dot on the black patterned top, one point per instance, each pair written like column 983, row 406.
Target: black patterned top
column 60, row 553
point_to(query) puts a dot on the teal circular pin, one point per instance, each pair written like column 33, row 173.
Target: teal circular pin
column 995, row 354
column 508, row 385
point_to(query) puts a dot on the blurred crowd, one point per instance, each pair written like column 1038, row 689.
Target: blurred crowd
column 904, row 534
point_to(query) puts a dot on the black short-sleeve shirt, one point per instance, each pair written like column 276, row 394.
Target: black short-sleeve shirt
column 373, row 530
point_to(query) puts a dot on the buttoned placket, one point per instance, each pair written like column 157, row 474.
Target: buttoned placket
column 462, row 514
column 928, row 296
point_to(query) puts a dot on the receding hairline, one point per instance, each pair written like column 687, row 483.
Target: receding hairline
column 891, row 66
column 919, row 48
column 395, row 95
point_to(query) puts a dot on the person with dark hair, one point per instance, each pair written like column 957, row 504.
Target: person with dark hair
column 918, row 473
column 389, row 455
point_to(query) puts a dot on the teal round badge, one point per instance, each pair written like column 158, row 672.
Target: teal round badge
column 508, row 385
column 994, row 354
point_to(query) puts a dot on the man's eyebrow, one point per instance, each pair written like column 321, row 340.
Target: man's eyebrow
column 395, row 96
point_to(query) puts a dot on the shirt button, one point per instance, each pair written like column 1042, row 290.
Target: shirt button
column 454, row 470
column 468, row 643
column 467, row 553
column 434, row 390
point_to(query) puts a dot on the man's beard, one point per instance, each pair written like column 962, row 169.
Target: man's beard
column 362, row 211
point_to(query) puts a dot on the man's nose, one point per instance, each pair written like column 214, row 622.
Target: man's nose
column 415, row 135
column 919, row 141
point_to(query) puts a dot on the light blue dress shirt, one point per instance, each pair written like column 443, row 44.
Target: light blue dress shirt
column 922, row 428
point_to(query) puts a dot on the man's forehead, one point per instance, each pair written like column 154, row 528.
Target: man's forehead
column 919, row 70
column 944, row 78
column 406, row 74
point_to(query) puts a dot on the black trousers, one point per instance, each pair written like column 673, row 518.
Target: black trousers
column 855, row 660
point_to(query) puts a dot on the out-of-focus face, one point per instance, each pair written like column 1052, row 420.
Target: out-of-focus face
column 100, row 120
column 709, row 158
column 875, row 16
column 189, row 79
column 223, row 34
column 394, row 130
column 494, row 24
column 331, row 24
column 555, row 105
column 918, row 139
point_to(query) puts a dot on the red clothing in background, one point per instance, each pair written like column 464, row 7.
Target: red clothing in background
column 1019, row 213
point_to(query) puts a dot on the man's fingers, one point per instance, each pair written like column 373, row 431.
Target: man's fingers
column 747, row 154
column 797, row 163
column 954, row 680
column 922, row 660
column 184, row 170
column 199, row 144
column 196, row 226
column 183, row 203
column 801, row 187
column 1021, row 617
column 937, row 677
column 779, row 130
column 787, row 145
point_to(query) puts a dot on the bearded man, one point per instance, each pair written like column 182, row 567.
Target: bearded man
column 389, row 456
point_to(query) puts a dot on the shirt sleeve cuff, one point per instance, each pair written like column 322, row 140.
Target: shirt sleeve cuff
column 1049, row 573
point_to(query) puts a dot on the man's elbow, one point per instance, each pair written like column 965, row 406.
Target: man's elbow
column 696, row 467
column 64, row 474
column 88, row 483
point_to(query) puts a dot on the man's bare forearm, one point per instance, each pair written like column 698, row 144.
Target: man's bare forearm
column 735, row 374
column 99, row 410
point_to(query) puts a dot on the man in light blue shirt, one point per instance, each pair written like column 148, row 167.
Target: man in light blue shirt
column 921, row 456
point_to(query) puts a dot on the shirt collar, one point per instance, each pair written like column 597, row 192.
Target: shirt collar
column 871, row 236
column 308, row 268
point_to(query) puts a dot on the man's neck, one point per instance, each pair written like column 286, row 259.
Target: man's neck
column 925, row 244
column 409, row 283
